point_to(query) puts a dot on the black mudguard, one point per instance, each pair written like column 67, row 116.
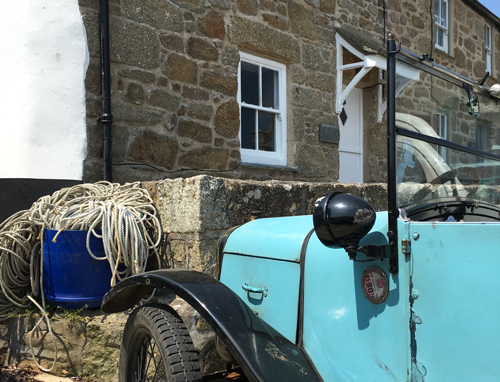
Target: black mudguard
column 261, row 351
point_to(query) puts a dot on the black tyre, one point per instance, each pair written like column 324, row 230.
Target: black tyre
column 156, row 347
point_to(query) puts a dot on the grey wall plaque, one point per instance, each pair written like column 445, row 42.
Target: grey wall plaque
column 329, row 133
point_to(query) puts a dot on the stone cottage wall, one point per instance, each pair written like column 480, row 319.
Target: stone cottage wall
column 174, row 74
column 174, row 79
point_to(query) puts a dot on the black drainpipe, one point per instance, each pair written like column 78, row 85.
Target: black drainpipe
column 106, row 118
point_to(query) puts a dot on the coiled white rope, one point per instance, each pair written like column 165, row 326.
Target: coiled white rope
column 125, row 214
column 18, row 236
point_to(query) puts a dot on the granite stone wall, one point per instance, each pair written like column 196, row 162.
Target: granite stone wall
column 194, row 212
column 175, row 79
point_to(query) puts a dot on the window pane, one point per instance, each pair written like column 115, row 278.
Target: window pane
column 266, row 131
column 444, row 15
column 439, row 37
column 436, row 11
column 270, row 88
column 247, row 128
column 249, row 83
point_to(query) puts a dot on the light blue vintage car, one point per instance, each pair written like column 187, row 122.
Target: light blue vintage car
column 349, row 294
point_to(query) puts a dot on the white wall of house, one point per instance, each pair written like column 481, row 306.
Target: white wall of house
column 43, row 62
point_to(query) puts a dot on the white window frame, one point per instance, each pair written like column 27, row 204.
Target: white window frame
column 443, row 132
column 487, row 47
column 278, row 157
column 441, row 24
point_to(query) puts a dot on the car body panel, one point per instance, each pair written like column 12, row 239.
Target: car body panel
column 265, row 253
column 274, row 238
column 279, row 304
column 341, row 328
column 348, row 337
column 455, row 300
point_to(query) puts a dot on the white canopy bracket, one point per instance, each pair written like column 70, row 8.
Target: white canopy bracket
column 366, row 63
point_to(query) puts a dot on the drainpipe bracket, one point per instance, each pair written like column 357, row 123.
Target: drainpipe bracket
column 105, row 118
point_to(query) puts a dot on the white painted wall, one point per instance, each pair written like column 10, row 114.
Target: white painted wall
column 43, row 61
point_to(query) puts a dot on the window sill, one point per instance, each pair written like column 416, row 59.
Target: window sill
column 269, row 166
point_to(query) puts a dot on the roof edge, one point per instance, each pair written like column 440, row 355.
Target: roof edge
column 483, row 11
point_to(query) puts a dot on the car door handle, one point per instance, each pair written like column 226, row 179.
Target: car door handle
column 252, row 289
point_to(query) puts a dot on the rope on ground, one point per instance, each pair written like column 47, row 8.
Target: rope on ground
column 125, row 215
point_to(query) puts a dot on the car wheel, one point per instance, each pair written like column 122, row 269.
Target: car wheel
column 156, row 347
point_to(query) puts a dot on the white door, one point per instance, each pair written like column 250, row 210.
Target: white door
column 351, row 139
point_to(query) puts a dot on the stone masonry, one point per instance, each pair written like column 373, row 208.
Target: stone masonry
column 195, row 211
column 175, row 79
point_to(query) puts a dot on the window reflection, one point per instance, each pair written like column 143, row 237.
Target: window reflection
column 266, row 131
column 247, row 128
column 249, row 83
column 270, row 88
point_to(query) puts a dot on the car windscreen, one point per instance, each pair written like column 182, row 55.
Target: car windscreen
column 443, row 140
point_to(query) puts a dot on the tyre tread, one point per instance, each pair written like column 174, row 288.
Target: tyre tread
column 174, row 341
